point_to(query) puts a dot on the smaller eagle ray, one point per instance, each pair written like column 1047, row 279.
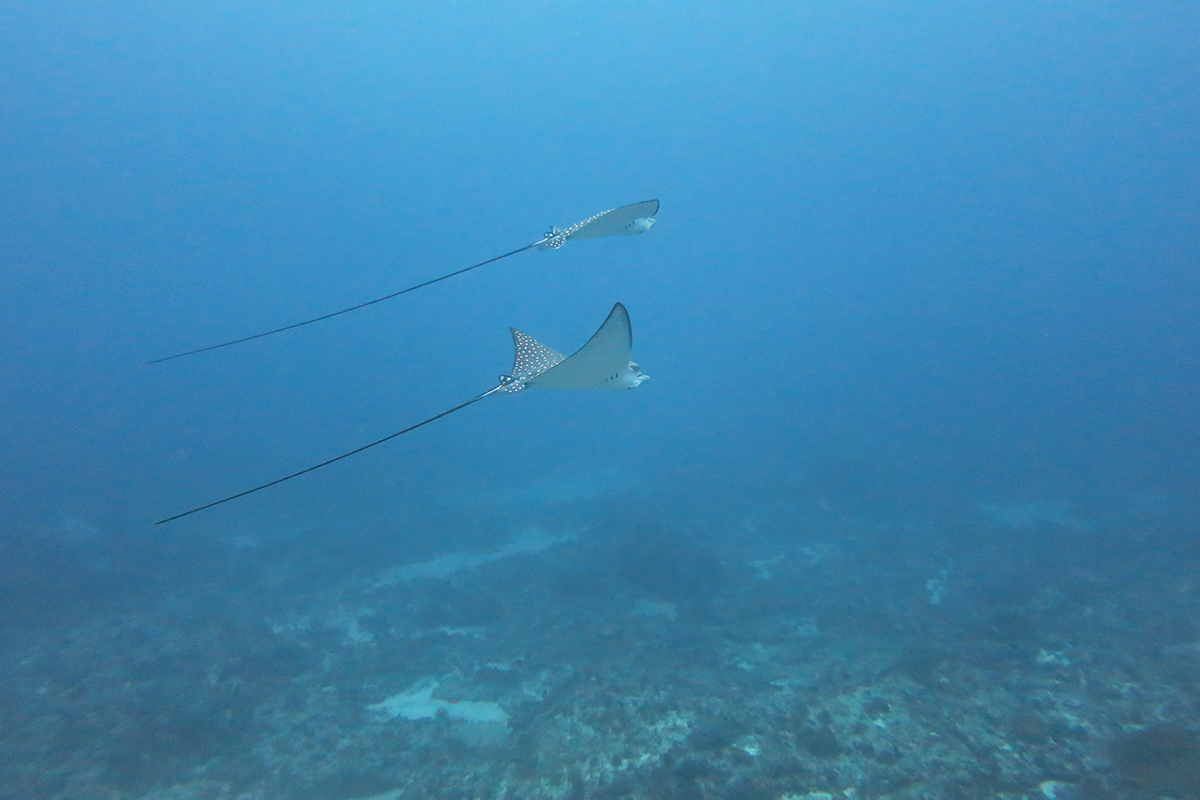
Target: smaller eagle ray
column 602, row 363
column 627, row 220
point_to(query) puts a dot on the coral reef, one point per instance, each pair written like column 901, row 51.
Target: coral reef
column 643, row 665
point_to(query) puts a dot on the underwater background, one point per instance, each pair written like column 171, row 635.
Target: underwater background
column 909, row 509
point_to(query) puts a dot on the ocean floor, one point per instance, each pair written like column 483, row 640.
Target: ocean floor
column 1019, row 654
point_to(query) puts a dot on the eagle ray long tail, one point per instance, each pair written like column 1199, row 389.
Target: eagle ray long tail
column 314, row 467
column 543, row 240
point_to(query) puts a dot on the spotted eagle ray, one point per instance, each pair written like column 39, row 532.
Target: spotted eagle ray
column 602, row 363
column 627, row 220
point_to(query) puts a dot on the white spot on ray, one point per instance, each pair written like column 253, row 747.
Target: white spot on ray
column 531, row 357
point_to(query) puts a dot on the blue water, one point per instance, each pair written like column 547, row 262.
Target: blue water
column 921, row 301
